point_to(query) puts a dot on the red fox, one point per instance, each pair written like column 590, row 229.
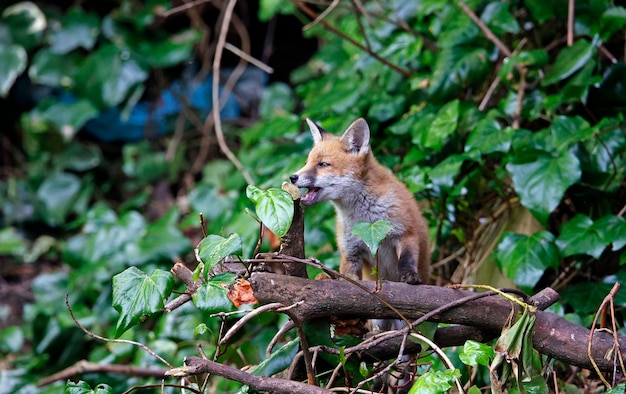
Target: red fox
column 344, row 171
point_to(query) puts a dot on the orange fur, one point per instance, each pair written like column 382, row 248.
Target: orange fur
column 343, row 170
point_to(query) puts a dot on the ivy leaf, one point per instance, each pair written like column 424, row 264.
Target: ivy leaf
column 568, row 61
column 82, row 387
column 212, row 296
column 488, row 137
column 58, row 193
column 213, row 249
column 278, row 361
column 13, row 60
column 613, row 230
column 443, row 173
column 441, row 127
column 476, row 353
column 70, row 117
column 497, row 16
column 78, row 30
column 524, row 258
column 580, row 236
column 435, row 381
column 372, row 233
column 456, row 67
column 274, row 207
column 135, row 295
column 542, row 183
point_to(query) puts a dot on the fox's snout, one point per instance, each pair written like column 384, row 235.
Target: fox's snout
column 294, row 178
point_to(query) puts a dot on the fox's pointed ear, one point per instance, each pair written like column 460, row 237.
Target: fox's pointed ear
column 356, row 138
column 316, row 131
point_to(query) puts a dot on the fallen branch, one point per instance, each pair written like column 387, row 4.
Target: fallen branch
column 553, row 335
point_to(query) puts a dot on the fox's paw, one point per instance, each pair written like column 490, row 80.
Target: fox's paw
column 412, row 278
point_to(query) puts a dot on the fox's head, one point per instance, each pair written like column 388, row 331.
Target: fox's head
column 335, row 165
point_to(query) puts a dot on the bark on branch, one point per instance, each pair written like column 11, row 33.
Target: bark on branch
column 553, row 335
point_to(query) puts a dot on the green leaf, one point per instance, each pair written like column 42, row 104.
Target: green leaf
column 476, row 353
column 586, row 297
column 136, row 295
column 372, row 233
column 82, row 387
column 11, row 339
column 457, row 67
column 58, row 193
column 277, row 361
column 11, row 242
column 77, row 30
column 435, row 381
column 524, row 258
column 168, row 52
column 443, row 174
column 619, row 389
column 26, row 23
column 55, row 70
column 13, row 60
column 213, row 249
column 580, row 236
column 488, row 137
column 612, row 229
column 612, row 20
column 70, row 117
column 568, row 61
column 212, row 296
column 497, row 17
column 542, row 183
column 108, row 76
column 274, row 207
column 163, row 240
column 444, row 124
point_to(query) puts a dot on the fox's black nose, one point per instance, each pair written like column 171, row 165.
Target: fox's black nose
column 293, row 178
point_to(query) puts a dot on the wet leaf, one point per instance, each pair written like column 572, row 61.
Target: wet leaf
column 274, row 207
column 213, row 249
column 137, row 295
column 372, row 233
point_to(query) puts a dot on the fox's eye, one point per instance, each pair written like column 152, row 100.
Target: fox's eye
column 323, row 164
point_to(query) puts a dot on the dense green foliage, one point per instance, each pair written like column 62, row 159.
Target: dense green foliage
column 515, row 149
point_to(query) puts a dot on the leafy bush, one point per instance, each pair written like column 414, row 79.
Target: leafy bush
column 509, row 131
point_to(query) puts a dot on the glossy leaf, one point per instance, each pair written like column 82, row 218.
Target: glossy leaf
column 372, row 233
column 25, row 22
column 525, row 258
column 137, row 295
column 274, row 207
column 613, row 19
column 488, row 137
column 435, row 381
column 476, row 353
column 457, row 67
column 612, row 229
column 497, row 17
column 55, row 70
column 82, row 387
column 213, row 249
column 163, row 240
column 442, row 126
column 77, row 30
column 542, row 183
column 278, row 361
column 212, row 296
column 13, row 59
column 581, row 236
column 569, row 60
column 11, row 243
column 444, row 173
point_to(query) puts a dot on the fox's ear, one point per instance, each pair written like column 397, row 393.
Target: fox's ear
column 356, row 138
column 316, row 131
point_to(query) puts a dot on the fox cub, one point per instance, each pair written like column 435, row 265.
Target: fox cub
column 344, row 171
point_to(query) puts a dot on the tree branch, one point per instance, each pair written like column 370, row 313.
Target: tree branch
column 553, row 335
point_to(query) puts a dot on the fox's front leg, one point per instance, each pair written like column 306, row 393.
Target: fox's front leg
column 351, row 267
column 407, row 267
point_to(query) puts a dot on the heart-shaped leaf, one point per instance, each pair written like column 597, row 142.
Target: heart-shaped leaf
column 581, row 236
column 212, row 296
column 274, row 207
column 135, row 295
column 542, row 183
column 524, row 258
column 213, row 249
column 372, row 233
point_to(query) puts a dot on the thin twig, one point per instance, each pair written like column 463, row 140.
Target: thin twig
column 322, row 15
column 570, row 22
column 217, row 121
column 253, row 313
column 248, row 58
column 481, row 25
column 184, row 7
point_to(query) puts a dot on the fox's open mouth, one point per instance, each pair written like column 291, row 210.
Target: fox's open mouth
column 310, row 196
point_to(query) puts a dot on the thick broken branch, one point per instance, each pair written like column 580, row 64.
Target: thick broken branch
column 553, row 335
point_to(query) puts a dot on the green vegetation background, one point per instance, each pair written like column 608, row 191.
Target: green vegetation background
column 514, row 144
